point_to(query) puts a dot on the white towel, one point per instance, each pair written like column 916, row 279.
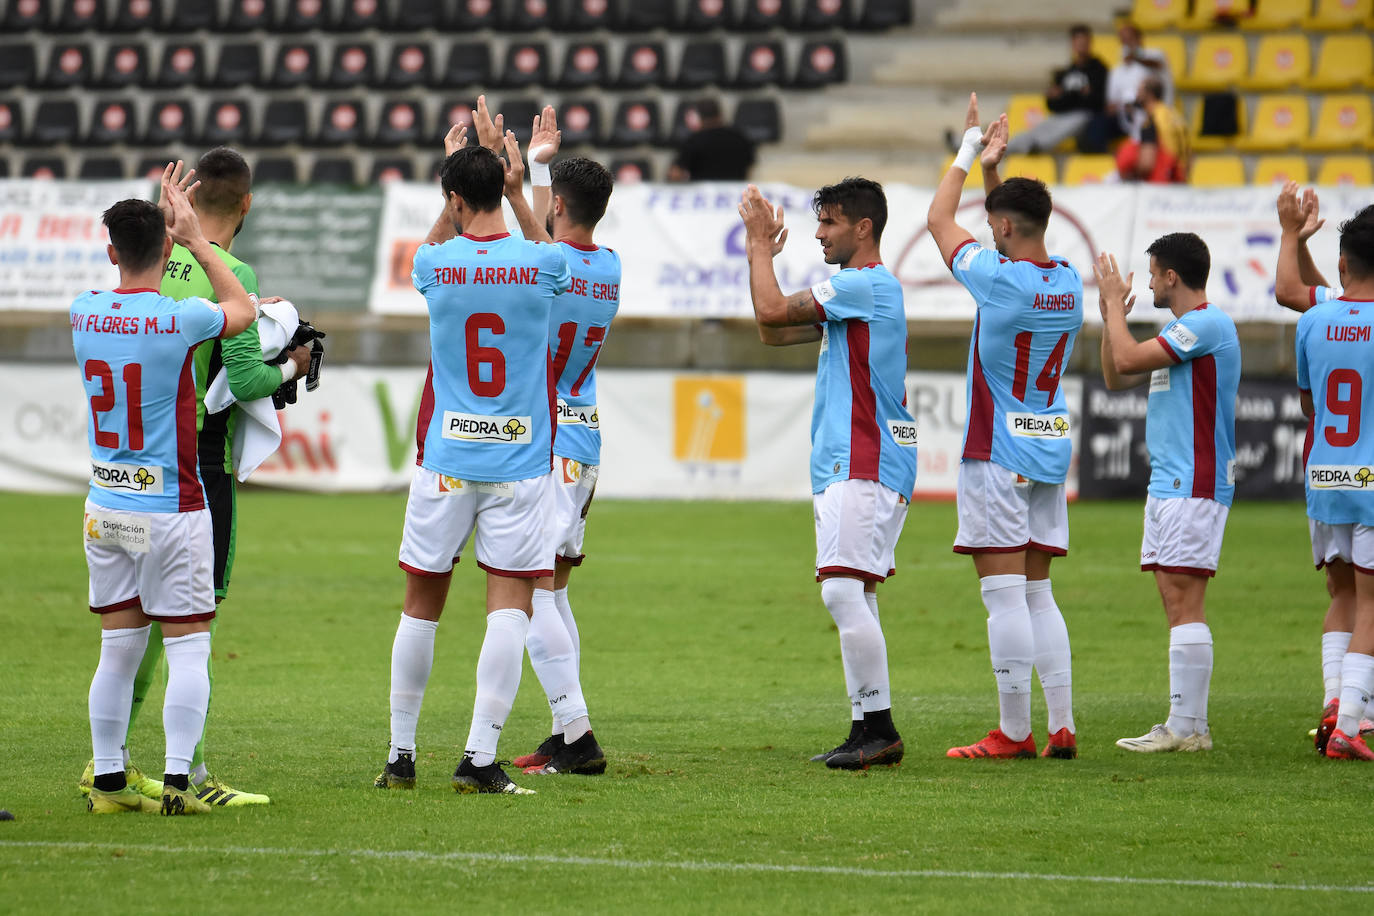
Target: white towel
column 257, row 433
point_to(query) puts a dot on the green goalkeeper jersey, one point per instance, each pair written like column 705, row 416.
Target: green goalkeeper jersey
column 240, row 356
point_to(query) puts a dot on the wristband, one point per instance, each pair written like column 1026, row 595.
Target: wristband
column 541, row 175
column 969, row 149
column 288, row 371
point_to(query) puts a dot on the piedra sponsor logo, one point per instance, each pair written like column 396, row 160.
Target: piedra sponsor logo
column 578, row 415
column 904, row 431
column 135, row 477
column 1339, row 477
column 1037, row 426
column 477, row 428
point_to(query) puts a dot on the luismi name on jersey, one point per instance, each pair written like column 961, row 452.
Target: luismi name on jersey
column 1038, row 426
column 1339, row 477
column 470, row 427
column 137, row 478
column 904, row 431
column 578, row 415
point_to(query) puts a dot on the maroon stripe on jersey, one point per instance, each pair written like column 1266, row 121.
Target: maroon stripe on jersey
column 1311, row 296
column 1205, row 427
column 190, row 494
column 864, row 443
column 425, row 415
column 978, row 441
column 953, row 255
column 552, row 382
column 1307, row 439
column 1168, row 349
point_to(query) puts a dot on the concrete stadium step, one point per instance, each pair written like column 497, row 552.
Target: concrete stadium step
column 1049, row 15
column 886, row 119
column 1006, row 60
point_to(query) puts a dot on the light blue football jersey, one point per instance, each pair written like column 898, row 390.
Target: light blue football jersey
column 860, row 427
column 1190, row 422
column 487, row 409
column 135, row 351
column 1028, row 319
column 581, row 318
column 1335, row 360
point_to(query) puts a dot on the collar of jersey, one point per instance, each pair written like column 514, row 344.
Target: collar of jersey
column 579, row 246
column 1043, row 265
column 142, row 289
column 486, row 238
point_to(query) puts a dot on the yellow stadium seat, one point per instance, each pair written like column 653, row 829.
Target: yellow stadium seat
column 1107, row 48
column 1219, row 62
column 1158, row 14
column 1213, row 142
column 1280, row 169
column 1216, row 172
column 1343, row 122
column 1030, row 166
column 1346, row 170
column 1024, row 112
column 1280, row 122
column 1174, row 49
column 1338, row 15
column 1208, row 14
column 1344, row 62
column 974, row 179
column 1276, row 14
column 1281, row 61
column 1089, row 169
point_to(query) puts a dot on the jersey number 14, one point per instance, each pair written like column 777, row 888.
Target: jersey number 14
column 1048, row 379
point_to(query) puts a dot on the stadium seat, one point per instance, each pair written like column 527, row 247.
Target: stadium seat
column 527, row 65
column 1106, row 47
column 391, row 168
column 18, row 66
column 416, row 15
column 360, row 15
column 631, row 171
column 1356, row 171
column 704, row 15
column 471, row 15
column 526, row 15
column 1175, row 51
column 240, row 64
column 182, row 65
column 68, row 65
column 354, row 66
column 1024, row 111
column 11, row 122
column 1220, row 61
column 585, row 65
column 759, row 119
column 46, row 167
column 1343, row 122
column 101, row 168
column 824, row 14
column 284, row 121
column 296, row 66
column 702, row 64
column 1041, row 167
column 275, row 169
column 126, row 66
column 169, row 123
column 760, row 64
column 1280, row 169
column 519, row 116
column 333, row 170
column 1339, row 15
column 469, row 64
column 1216, row 172
column 580, row 122
column 647, row 15
column 80, row 16
column 879, row 15
column 1280, row 121
column 642, row 65
column 228, row 122
column 340, row 122
column 400, row 122
column 974, row 179
column 1152, row 15
column 685, row 121
column 636, row 121
column 762, row 15
column 1281, row 61
column 1276, row 14
column 1084, row 169
column 151, row 166
column 409, row 67
column 1344, row 62
column 54, row 121
column 456, row 111
column 1214, row 142
column 21, row 17
column 821, row 63
column 590, row 15
column 304, row 15
column 249, row 16
column 191, row 16
column 1210, row 14
column 111, row 122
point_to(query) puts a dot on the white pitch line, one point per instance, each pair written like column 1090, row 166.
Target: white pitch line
column 692, row 866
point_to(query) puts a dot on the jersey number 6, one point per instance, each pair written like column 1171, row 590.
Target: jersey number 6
column 479, row 356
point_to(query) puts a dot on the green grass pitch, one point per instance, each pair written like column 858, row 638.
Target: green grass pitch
column 712, row 671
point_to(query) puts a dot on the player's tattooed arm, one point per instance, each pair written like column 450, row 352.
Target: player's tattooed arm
column 764, row 237
column 1126, row 362
column 1296, row 273
column 801, row 324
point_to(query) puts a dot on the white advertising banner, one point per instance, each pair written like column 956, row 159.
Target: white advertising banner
column 667, row 434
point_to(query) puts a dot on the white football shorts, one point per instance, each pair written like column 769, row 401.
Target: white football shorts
column 1183, row 535
column 1001, row 511
column 857, row 526
column 163, row 562
column 1352, row 543
column 573, row 487
column 511, row 520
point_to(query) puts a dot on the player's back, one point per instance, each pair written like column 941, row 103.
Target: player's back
column 1335, row 344
column 487, row 411
column 134, row 349
column 581, row 319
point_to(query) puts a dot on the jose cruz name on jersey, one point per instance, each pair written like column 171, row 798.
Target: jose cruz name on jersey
column 1339, row 477
column 487, row 276
column 136, row 477
column 607, row 292
column 477, row 428
column 1054, row 426
column 585, row 415
column 123, row 324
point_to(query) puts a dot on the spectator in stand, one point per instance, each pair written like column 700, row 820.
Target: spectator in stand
column 1122, row 117
column 1078, row 92
column 715, row 151
column 1161, row 153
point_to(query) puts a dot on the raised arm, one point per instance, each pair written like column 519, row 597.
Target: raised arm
column 443, row 229
column 946, row 231
column 994, row 148
column 545, row 139
column 1126, row 362
column 1312, row 222
column 530, row 224
column 1296, row 273
column 183, row 226
column 782, row 320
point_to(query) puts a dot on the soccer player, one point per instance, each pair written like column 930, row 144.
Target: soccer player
column 1334, row 359
column 1193, row 367
column 1013, row 511
column 147, row 531
column 863, row 440
column 485, row 436
column 222, row 200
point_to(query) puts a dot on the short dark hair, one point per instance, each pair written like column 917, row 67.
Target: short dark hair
column 857, row 199
column 1186, row 255
column 224, row 178
column 1079, row 28
column 1357, row 242
column 137, row 232
column 585, row 186
column 707, row 109
column 1026, row 198
column 475, row 174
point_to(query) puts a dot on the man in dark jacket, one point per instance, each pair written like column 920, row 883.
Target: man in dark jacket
column 1077, row 93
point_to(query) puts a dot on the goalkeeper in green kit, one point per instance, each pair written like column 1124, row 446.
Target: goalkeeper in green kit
column 221, row 202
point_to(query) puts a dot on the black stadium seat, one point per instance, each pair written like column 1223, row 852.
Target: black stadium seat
column 765, row 14
column 11, row 122
column 249, row 15
column 275, row 169
column 455, row 111
column 341, row 122
column 333, row 170
column 134, row 15
column 18, row 66
column 636, row 121
column 824, row 14
column 391, row 168
column 631, row 171
column 579, row 120
column 284, row 121
column 528, row 15
column 400, row 122
column 820, row 63
column 470, row 15
column 469, row 64
column 642, row 65
column 302, row 15
column 590, row 15
column 169, row 122
column 153, row 166
column 43, row 167
column 23, row 15
column 191, row 15
column 702, row 64
column 183, row 64
column 585, row 65
column 703, row 15
column 240, row 64
column 69, row 65
column 527, row 64
column 647, row 15
column 126, row 65
column 354, row 66
column 81, row 16
column 362, row 14
column 685, row 121
column 519, row 116
column 297, row 65
column 112, row 122
column 884, row 14
column 98, row 168
column 410, row 65
column 228, row 122
column 760, row 64
column 759, row 120
column 414, row 15
column 55, row 121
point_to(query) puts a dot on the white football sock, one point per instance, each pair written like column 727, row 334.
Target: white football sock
column 188, row 697
column 412, row 658
column 1190, row 677
column 862, row 646
column 1053, row 659
column 872, row 599
column 1357, row 683
column 498, row 680
column 112, row 692
column 1334, row 647
column 1011, row 644
column 551, row 656
column 560, row 599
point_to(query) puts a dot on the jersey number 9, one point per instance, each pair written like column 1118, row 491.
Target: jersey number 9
column 1348, row 407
